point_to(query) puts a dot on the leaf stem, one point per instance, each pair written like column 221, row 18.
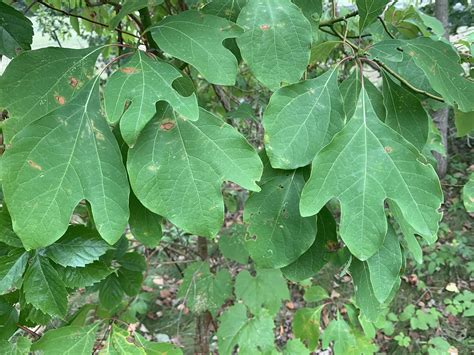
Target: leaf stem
column 338, row 19
column 385, row 27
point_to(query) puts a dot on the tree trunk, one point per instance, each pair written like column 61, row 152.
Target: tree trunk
column 203, row 321
column 440, row 117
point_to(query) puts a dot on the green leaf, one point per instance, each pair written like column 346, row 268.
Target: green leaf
column 73, row 340
column 464, row 122
column 152, row 348
column 50, row 76
column 228, row 9
column 340, row 333
column 84, row 276
column 130, row 6
column 445, row 74
column 468, row 194
column 197, row 38
column 144, row 224
column 323, row 248
column 264, row 291
column 365, row 164
column 302, row 118
column 7, row 235
column 77, row 248
column 315, row 294
column 274, row 220
column 369, row 10
column 276, row 42
column 232, row 243
column 177, row 168
column 8, row 320
column 133, row 261
column 251, row 335
column 306, row 325
column 384, row 266
column 111, row 292
column 132, row 92
column 66, row 156
column 405, row 113
column 118, row 344
column 12, row 267
column 203, row 290
column 52, row 299
column 16, row 31
column 20, row 347
column 294, row 346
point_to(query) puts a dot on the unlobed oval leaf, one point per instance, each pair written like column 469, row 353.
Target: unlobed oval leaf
column 276, row 42
column 16, row 31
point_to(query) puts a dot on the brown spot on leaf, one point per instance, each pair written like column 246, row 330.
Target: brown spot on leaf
column 331, row 245
column 126, row 105
column 167, row 126
column 264, row 27
column 34, row 165
column 60, row 99
column 128, row 70
column 388, row 149
column 73, row 81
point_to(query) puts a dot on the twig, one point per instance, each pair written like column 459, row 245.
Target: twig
column 385, row 27
column 338, row 19
column 84, row 18
column 28, row 330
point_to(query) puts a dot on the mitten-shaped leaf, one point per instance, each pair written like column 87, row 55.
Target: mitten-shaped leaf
column 365, row 164
column 278, row 233
column 65, row 157
column 300, row 119
column 197, row 39
column 133, row 90
column 177, row 167
column 276, row 42
column 50, row 76
column 16, row 31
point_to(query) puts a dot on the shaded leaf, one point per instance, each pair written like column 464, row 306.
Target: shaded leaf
column 197, row 39
column 264, row 291
column 232, row 243
column 84, row 276
column 306, row 325
column 65, row 157
column 133, row 90
column 464, row 122
column 12, row 267
column 20, row 347
column 144, row 224
column 130, row 6
column 365, row 164
column 177, row 168
column 16, row 31
column 228, row 9
column 339, row 332
column 302, row 118
column 273, row 30
column 468, row 194
column 8, row 319
column 44, row 289
column 111, row 292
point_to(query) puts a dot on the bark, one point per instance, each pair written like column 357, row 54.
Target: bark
column 440, row 117
column 203, row 321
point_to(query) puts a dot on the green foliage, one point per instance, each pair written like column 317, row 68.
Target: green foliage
column 67, row 340
column 16, row 31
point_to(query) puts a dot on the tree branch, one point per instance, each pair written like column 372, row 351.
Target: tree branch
column 338, row 19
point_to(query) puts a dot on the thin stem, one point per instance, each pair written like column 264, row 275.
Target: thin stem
column 338, row 19
column 385, row 27
column 84, row 18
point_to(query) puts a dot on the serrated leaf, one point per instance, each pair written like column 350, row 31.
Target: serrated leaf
column 130, row 6
column 16, row 31
column 66, row 156
column 320, row 252
column 294, row 346
column 20, row 347
column 369, row 10
column 133, row 90
column 315, row 294
column 177, row 168
column 251, row 335
column 133, row 261
column 365, row 164
column 40, row 275
column 73, row 340
column 152, row 348
column 440, row 63
column 306, row 325
column 229, row 9
column 51, row 76
column 203, row 290
column 266, row 290
column 232, row 243
column 84, row 276
column 405, row 113
column 339, row 332
column 384, row 266
column 130, row 281
column 111, row 292
column 276, row 42
column 144, row 224
column 12, row 267
column 118, row 344
column 468, row 194
column 197, row 38
column 274, row 220
column 302, row 118
column 77, row 248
